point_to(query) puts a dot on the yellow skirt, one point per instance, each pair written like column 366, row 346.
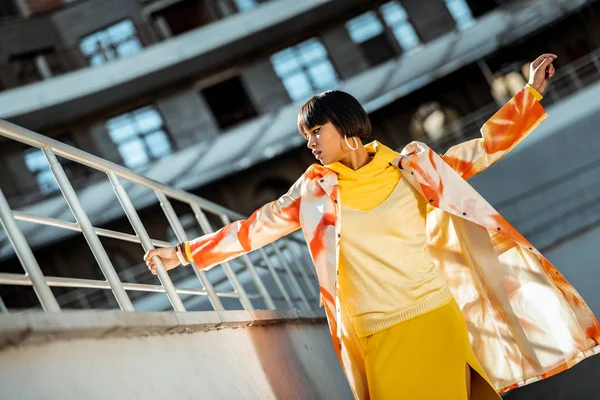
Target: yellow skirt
column 425, row 358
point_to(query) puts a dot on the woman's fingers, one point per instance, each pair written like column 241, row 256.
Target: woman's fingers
column 551, row 71
column 149, row 254
column 541, row 59
column 166, row 255
column 544, row 64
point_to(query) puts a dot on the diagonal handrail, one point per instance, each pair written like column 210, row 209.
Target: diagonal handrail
column 274, row 263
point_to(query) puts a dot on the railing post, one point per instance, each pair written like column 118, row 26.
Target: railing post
column 23, row 251
column 182, row 237
column 290, row 273
column 3, row 308
column 300, row 268
column 259, row 283
column 88, row 231
column 276, row 278
column 140, row 230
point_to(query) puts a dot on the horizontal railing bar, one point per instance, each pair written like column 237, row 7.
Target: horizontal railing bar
column 200, row 292
column 280, row 270
column 23, row 135
column 21, row 216
column 291, row 298
column 54, row 281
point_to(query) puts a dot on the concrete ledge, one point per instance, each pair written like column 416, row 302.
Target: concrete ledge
column 38, row 328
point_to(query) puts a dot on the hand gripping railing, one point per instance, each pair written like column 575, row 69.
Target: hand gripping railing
column 285, row 261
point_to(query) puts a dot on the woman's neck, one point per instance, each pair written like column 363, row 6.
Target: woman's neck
column 357, row 158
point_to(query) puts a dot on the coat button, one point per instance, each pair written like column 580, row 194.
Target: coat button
column 498, row 228
column 335, row 201
column 412, row 173
column 464, row 213
column 431, row 200
column 340, row 346
column 321, row 180
column 339, row 235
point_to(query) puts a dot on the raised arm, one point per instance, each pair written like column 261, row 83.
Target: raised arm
column 267, row 224
column 507, row 128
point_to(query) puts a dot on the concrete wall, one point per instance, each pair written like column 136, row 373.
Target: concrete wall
column 345, row 55
column 187, row 117
column 203, row 355
column 264, row 87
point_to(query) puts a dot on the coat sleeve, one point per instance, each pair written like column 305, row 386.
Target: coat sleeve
column 500, row 134
column 267, row 224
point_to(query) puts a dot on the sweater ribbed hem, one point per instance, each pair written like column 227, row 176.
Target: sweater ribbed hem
column 366, row 325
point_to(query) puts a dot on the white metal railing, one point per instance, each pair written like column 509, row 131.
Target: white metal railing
column 568, row 80
column 285, row 263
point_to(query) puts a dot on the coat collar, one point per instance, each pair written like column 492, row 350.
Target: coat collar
column 327, row 179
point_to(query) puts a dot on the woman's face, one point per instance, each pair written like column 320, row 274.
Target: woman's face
column 326, row 143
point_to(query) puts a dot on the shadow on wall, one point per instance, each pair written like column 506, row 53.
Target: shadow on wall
column 283, row 354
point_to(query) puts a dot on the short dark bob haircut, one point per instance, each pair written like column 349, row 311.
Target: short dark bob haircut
column 339, row 108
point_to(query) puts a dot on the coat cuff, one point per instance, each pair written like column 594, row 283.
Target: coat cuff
column 534, row 92
column 188, row 252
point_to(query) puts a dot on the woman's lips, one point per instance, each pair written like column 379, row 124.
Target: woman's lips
column 317, row 154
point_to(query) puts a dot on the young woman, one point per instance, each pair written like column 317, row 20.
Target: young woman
column 428, row 291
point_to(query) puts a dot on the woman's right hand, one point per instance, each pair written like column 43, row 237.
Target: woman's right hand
column 167, row 255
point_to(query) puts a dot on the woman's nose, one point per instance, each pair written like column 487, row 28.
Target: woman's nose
column 311, row 142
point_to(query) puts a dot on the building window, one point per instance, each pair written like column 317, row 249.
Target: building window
column 35, row 65
column 38, row 165
column 245, row 5
column 461, row 13
column 140, row 136
column 24, row 68
column 186, row 15
column 229, row 102
column 116, row 41
column 36, row 162
column 396, row 18
column 305, row 69
column 364, row 27
column 368, row 32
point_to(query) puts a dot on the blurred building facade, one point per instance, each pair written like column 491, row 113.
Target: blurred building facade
column 149, row 83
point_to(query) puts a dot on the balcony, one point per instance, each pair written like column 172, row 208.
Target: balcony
column 73, row 95
column 69, row 96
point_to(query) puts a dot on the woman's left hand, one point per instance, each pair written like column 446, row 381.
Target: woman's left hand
column 541, row 70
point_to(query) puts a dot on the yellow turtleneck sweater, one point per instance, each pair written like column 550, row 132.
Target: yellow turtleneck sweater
column 385, row 273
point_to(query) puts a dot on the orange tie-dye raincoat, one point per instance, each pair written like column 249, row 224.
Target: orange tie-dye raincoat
column 526, row 322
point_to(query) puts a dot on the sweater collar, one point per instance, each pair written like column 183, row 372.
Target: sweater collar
column 382, row 156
